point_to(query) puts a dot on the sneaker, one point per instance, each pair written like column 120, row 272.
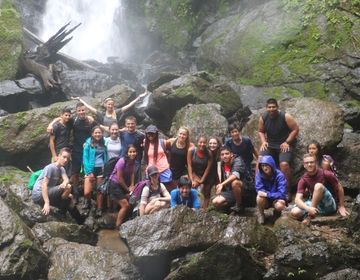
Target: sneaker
column 237, row 209
column 98, row 213
column 260, row 218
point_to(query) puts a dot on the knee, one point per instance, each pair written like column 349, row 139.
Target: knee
column 279, row 206
column 319, row 186
column 260, row 200
column 295, row 213
column 236, row 184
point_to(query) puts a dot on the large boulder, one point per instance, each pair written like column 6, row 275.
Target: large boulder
column 155, row 240
column 10, row 40
column 26, row 134
column 201, row 119
column 20, row 255
column 16, row 96
column 80, row 261
column 347, row 159
column 69, row 232
column 318, row 120
column 198, row 88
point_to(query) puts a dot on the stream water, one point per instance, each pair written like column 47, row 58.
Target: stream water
column 110, row 239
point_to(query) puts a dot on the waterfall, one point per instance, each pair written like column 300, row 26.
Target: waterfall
column 98, row 37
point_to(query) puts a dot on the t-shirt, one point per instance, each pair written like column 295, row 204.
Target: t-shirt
column 113, row 147
column 135, row 139
column 99, row 156
column 62, row 134
column 54, row 173
column 82, row 131
column 147, row 195
column 245, row 150
column 325, row 177
column 192, row 201
column 127, row 169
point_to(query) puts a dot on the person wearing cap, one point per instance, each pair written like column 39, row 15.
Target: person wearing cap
column 155, row 153
column 111, row 114
column 155, row 196
column 185, row 195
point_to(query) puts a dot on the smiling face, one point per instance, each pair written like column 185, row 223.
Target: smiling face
column 182, row 135
column 65, row 117
column 114, row 131
column 185, row 191
column 109, row 105
column 310, row 164
column 225, row 156
column 97, row 134
column 313, row 150
column 213, row 144
column 81, row 112
column 130, row 125
column 272, row 109
column 235, row 134
column 201, row 143
column 131, row 153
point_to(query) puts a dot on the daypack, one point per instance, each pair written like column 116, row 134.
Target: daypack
column 33, row 177
column 109, row 167
column 136, row 194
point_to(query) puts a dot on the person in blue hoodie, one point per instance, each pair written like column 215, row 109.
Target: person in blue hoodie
column 270, row 184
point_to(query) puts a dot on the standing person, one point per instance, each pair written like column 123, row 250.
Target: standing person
column 111, row 114
column 326, row 193
column 241, row 146
column 155, row 154
column 122, row 182
column 131, row 136
column 179, row 147
column 232, row 184
column 214, row 146
column 94, row 158
column 185, row 195
column 113, row 142
column 154, row 197
column 53, row 188
column 199, row 161
column 82, row 125
column 270, row 184
column 277, row 131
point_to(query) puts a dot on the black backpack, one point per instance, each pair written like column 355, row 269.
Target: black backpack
column 109, row 167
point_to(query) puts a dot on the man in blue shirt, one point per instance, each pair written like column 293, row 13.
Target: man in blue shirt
column 185, row 195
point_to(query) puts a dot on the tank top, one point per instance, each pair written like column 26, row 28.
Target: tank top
column 177, row 160
column 277, row 130
column 161, row 160
column 199, row 164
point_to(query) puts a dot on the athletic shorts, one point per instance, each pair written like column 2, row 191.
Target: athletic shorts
column 166, row 176
column 98, row 172
column 277, row 155
column 55, row 199
column 229, row 197
column 327, row 205
column 116, row 191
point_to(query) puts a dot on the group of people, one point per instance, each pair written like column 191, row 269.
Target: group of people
column 179, row 171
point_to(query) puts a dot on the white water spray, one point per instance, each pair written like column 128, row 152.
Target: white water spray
column 98, row 37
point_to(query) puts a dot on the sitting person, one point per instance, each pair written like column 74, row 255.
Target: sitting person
column 270, row 184
column 185, row 195
column 52, row 188
column 154, row 197
column 232, row 184
column 326, row 193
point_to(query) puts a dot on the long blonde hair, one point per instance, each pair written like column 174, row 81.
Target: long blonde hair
column 187, row 141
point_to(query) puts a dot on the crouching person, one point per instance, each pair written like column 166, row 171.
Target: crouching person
column 270, row 184
column 52, row 188
column 154, row 197
column 326, row 193
column 185, row 194
column 231, row 187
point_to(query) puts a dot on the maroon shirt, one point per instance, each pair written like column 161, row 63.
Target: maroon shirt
column 325, row 177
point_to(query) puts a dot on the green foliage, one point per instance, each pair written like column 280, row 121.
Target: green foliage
column 10, row 40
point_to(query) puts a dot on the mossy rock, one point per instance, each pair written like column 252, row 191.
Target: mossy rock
column 10, row 40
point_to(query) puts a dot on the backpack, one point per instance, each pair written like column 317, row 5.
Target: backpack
column 136, row 194
column 109, row 167
column 33, row 178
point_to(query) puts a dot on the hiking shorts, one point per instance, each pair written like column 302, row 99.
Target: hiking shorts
column 277, row 155
column 116, row 191
column 55, row 199
column 229, row 197
column 166, row 176
column 327, row 205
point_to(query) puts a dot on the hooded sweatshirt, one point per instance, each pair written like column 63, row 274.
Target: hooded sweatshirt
column 275, row 187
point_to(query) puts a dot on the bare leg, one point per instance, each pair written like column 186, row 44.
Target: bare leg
column 206, row 192
column 88, row 185
column 318, row 194
column 237, row 190
column 99, row 195
column 124, row 208
column 285, row 168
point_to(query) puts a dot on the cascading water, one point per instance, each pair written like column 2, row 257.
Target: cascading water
column 98, row 37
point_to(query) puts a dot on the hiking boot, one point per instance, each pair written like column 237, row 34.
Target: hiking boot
column 260, row 218
column 98, row 213
column 237, row 209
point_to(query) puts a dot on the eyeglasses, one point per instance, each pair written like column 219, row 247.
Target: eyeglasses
column 309, row 162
